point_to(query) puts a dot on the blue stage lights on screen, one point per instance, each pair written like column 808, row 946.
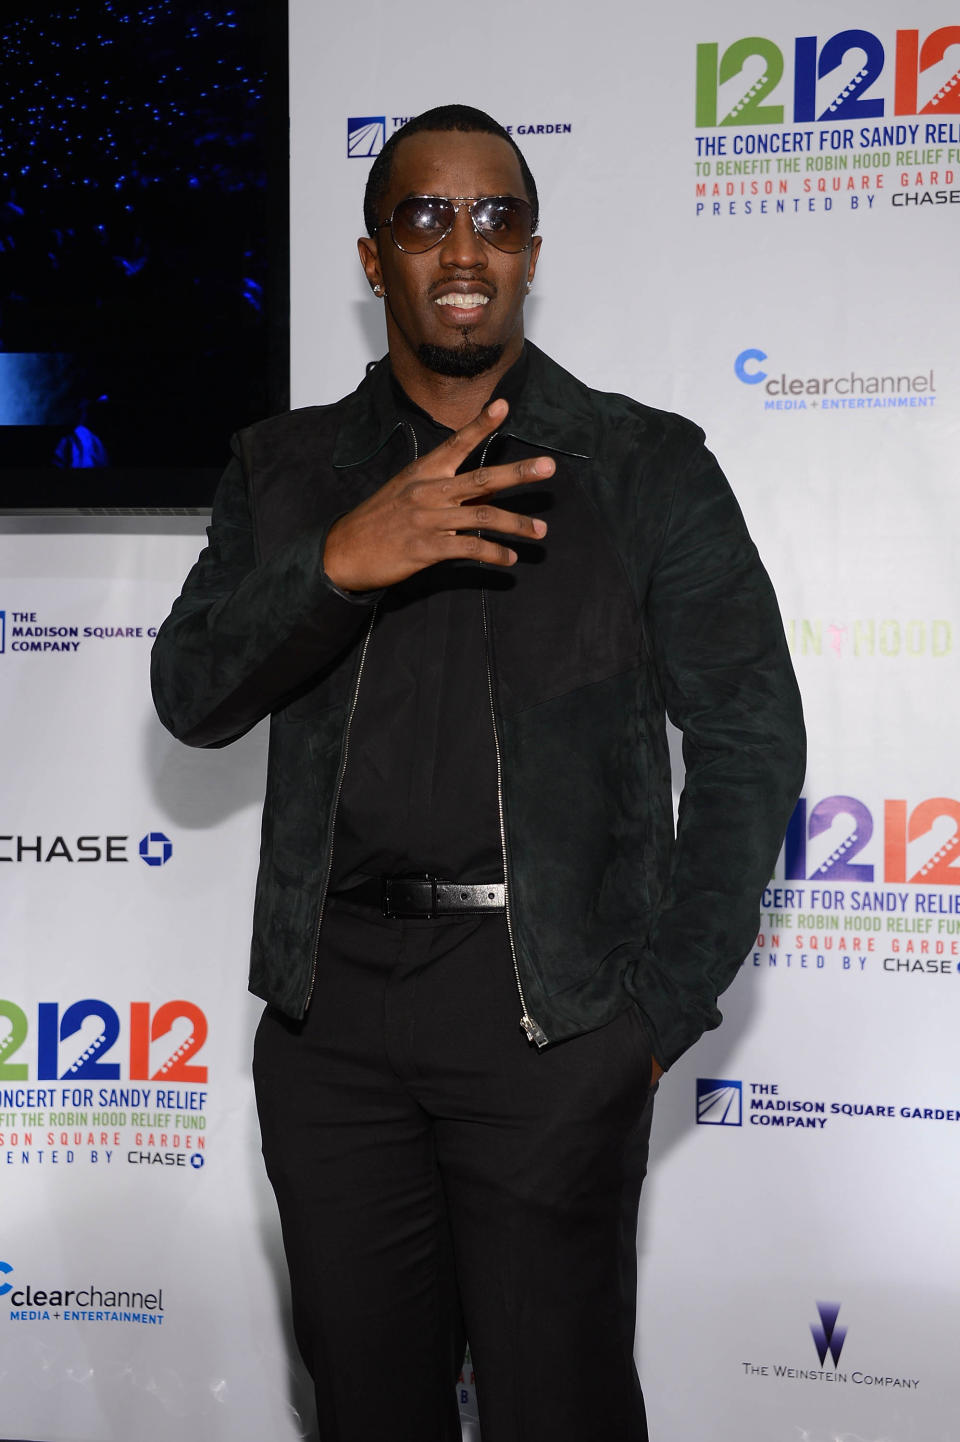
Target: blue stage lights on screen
column 138, row 166
column 86, row 98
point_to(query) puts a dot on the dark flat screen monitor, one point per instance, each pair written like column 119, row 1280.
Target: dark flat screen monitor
column 144, row 240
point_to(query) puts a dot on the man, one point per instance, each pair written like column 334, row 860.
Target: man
column 465, row 594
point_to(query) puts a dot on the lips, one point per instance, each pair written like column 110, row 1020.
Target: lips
column 469, row 300
column 462, row 302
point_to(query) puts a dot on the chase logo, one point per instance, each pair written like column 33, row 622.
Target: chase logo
column 5, row 1287
column 719, row 1103
column 156, row 849
column 827, row 1336
column 365, row 135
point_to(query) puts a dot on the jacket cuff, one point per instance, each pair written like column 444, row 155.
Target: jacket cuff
column 674, row 1022
column 356, row 598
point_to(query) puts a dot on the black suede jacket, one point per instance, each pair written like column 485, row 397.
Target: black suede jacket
column 649, row 597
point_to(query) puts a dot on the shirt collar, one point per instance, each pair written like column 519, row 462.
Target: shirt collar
column 509, row 387
column 549, row 409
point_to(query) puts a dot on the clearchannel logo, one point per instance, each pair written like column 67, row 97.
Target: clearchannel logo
column 29, row 1303
column 719, row 1103
column 848, row 390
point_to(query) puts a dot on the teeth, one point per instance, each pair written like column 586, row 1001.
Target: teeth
column 462, row 301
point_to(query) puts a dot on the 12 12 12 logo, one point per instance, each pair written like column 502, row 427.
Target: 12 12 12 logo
column 842, row 827
column 73, row 1042
column 832, row 79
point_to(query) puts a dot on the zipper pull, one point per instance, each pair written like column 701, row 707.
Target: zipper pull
column 533, row 1032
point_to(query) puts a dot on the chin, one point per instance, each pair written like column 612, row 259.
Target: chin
column 464, row 361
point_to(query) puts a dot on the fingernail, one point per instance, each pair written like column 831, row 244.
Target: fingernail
column 496, row 408
column 539, row 528
column 543, row 467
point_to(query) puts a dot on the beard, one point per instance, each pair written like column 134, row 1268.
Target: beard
column 463, row 361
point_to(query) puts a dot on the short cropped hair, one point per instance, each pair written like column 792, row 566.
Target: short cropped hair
column 442, row 117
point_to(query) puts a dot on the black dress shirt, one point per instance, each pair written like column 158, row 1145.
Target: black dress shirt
column 419, row 791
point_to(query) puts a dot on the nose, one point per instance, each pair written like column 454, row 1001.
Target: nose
column 463, row 248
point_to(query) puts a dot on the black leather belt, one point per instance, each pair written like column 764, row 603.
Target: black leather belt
column 425, row 896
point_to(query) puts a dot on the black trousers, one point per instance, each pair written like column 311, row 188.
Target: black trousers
column 439, row 1179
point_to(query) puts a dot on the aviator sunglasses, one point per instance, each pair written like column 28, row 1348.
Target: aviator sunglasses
column 420, row 222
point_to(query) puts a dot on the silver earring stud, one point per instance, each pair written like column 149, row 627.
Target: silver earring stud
column 378, row 290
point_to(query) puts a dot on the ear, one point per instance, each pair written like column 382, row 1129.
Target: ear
column 534, row 256
column 370, row 259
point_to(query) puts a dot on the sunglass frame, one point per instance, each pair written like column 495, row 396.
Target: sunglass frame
column 458, row 202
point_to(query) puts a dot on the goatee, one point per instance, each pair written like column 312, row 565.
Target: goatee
column 462, row 361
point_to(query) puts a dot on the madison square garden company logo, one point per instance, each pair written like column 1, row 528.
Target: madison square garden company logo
column 719, row 1103
column 27, row 633
column 366, row 135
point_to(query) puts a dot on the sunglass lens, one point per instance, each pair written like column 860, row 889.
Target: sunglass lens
column 505, row 221
column 421, row 221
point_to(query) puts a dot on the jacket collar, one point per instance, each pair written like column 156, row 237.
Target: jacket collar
column 553, row 413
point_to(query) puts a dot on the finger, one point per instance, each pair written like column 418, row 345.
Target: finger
column 476, row 548
column 505, row 523
column 500, row 478
column 452, row 452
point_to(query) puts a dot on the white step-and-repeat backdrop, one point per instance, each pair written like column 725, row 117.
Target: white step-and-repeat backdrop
column 751, row 216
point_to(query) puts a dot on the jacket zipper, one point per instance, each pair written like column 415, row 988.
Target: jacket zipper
column 534, row 1032
column 344, row 752
column 336, row 803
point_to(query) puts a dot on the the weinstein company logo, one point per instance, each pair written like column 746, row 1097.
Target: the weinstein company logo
column 827, row 1336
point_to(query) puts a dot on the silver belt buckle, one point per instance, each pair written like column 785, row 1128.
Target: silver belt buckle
column 409, row 896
